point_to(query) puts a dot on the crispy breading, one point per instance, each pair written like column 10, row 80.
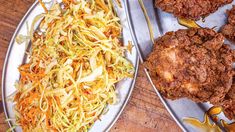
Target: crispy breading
column 228, row 103
column 228, row 30
column 191, row 9
column 192, row 63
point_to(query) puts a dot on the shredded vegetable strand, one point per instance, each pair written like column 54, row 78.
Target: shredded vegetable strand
column 150, row 27
column 43, row 6
column 76, row 58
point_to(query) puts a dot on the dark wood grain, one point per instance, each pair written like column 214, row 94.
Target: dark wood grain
column 144, row 111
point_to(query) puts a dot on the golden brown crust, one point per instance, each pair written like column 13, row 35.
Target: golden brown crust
column 192, row 63
column 228, row 30
column 191, row 9
column 228, row 103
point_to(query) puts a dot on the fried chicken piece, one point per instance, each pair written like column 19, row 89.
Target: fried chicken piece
column 228, row 30
column 228, row 103
column 190, row 9
column 193, row 63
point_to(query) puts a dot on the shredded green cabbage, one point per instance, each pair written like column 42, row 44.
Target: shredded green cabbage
column 76, row 60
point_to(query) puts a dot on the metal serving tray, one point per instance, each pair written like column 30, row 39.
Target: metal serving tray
column 16, row 56
column 163, row 22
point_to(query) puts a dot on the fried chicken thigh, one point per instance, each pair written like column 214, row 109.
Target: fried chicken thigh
column 228, row 30
column 228, row 103
column 192, row 63
column 191, row 9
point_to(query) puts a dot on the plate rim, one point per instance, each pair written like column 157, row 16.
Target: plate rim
column 5, row 65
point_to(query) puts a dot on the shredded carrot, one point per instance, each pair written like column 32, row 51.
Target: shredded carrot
column 43, row 6
column 32, row 113
column 32, row 76
column 102, row 5
column 24, row 66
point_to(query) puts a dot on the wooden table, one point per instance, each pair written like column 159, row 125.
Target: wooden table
column 144, row 111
